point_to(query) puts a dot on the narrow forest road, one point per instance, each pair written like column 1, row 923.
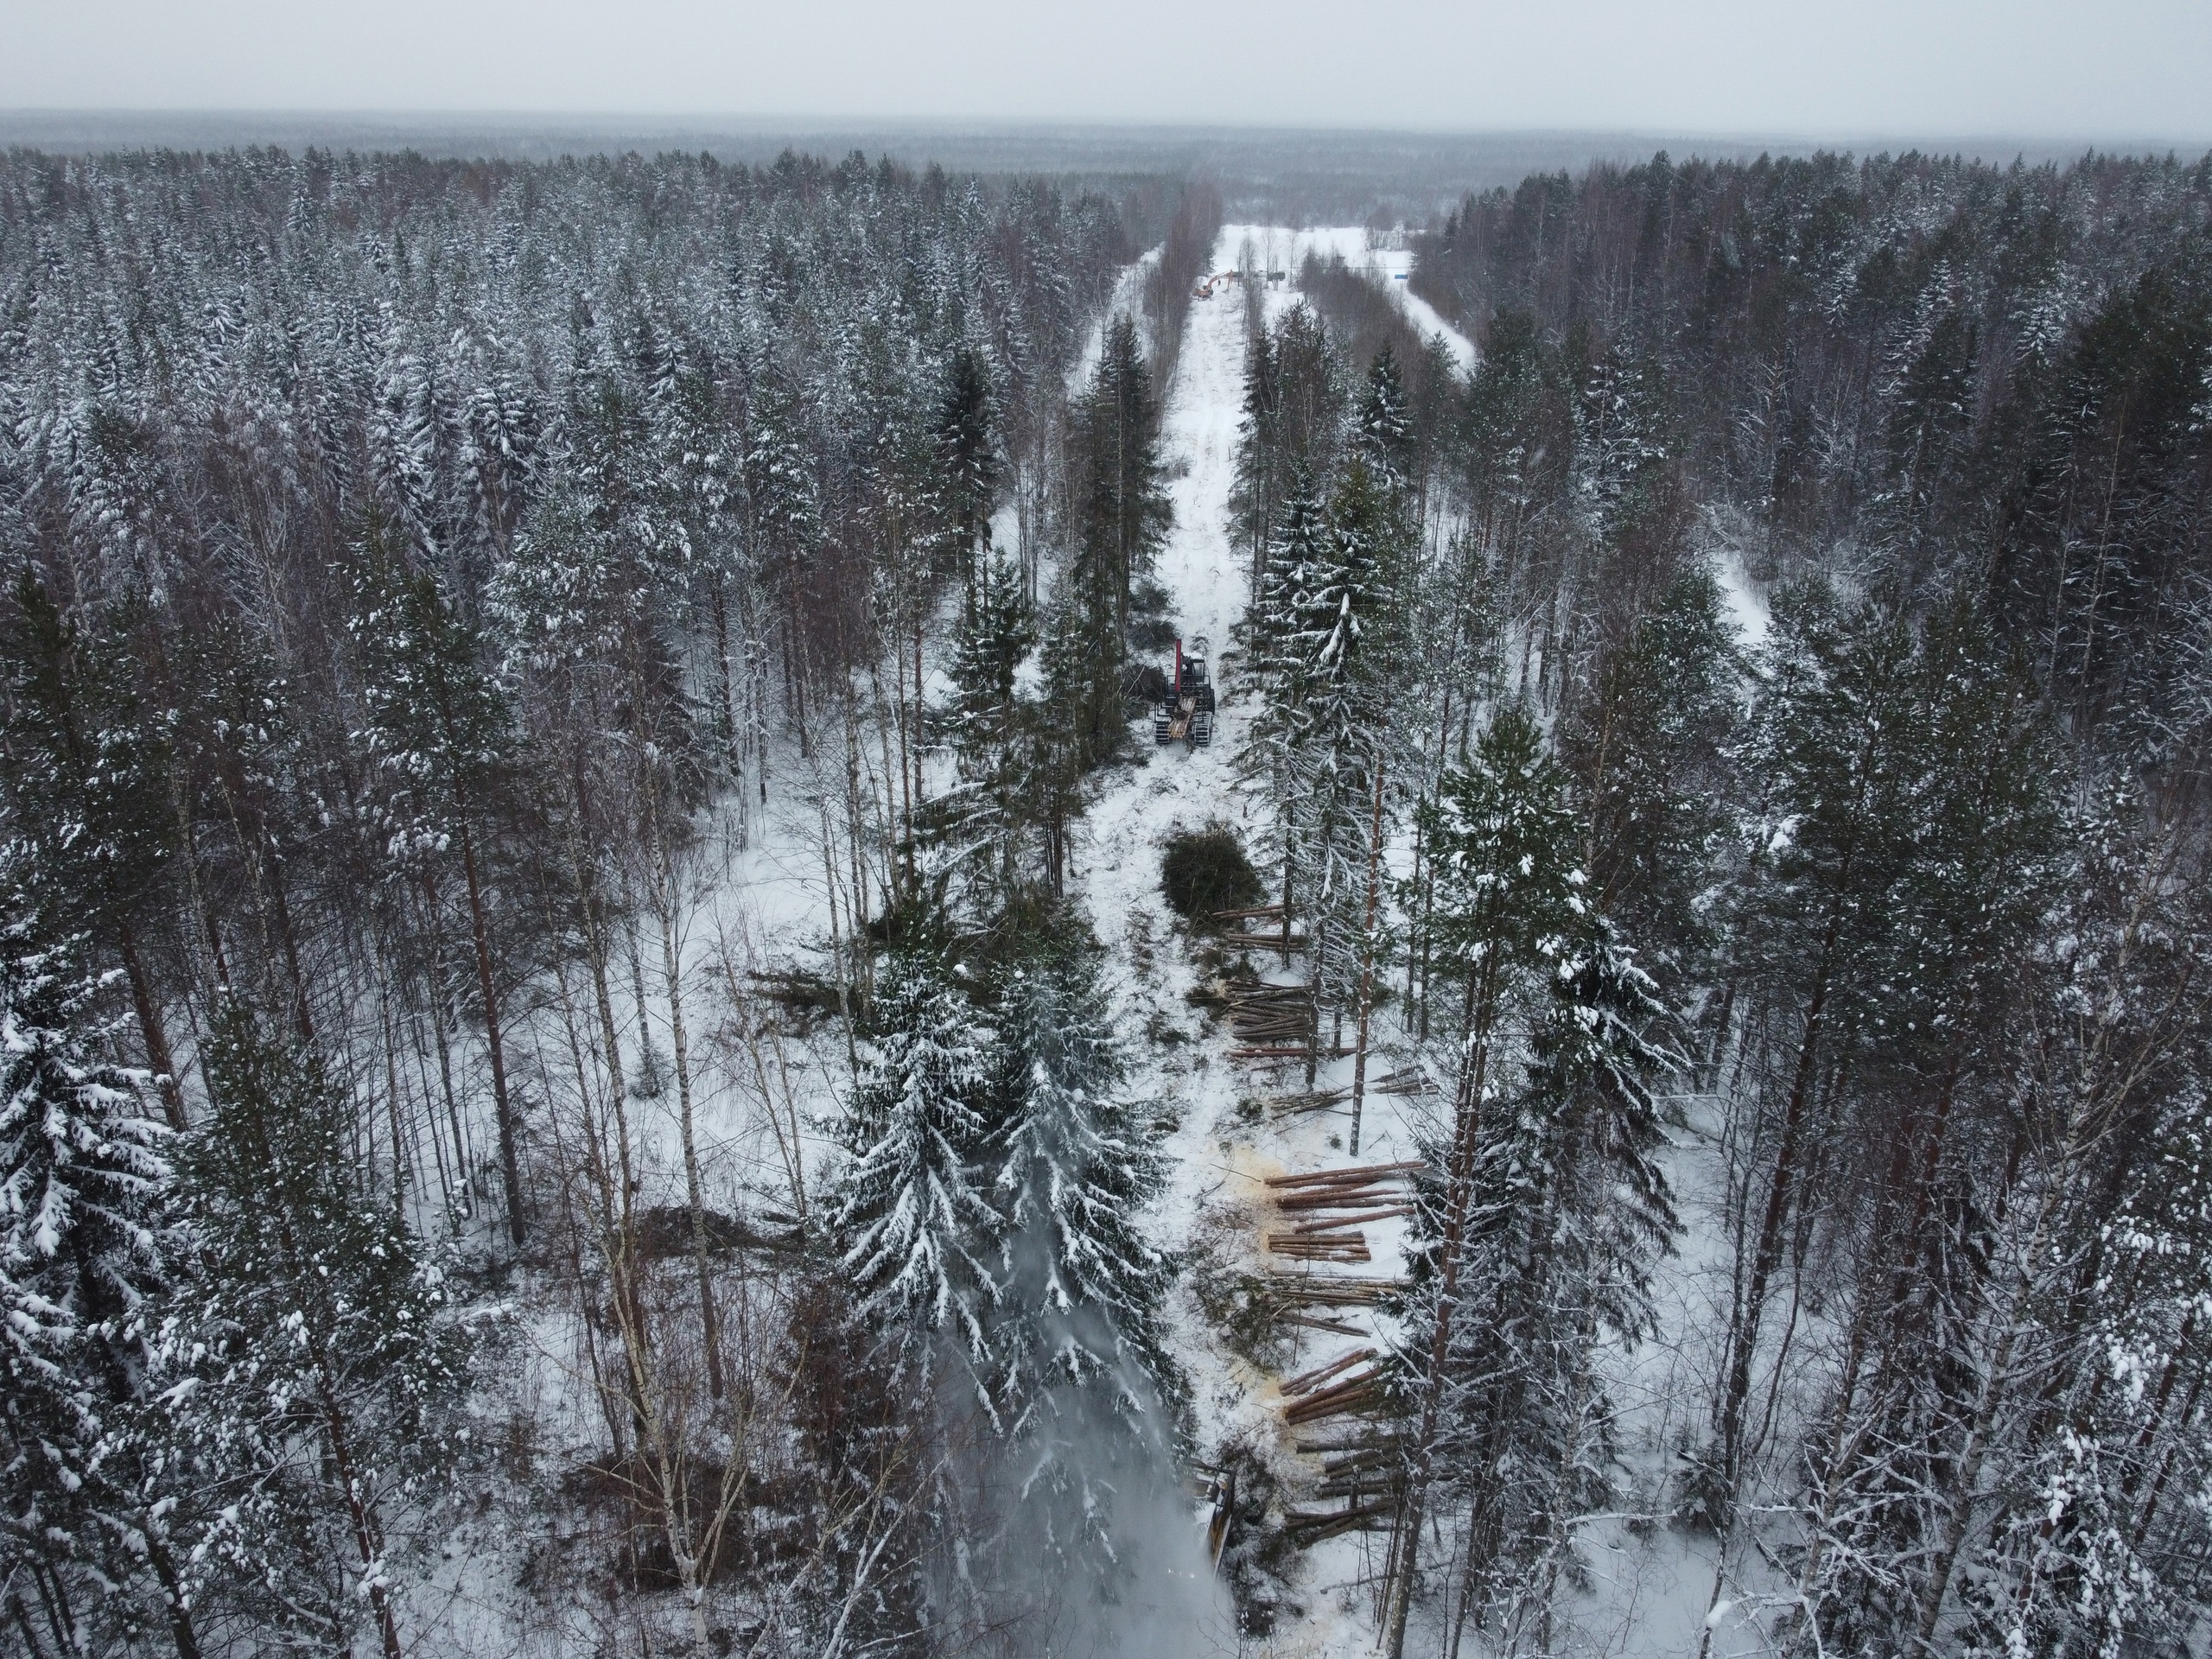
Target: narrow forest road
column 1117, row 854
column 1224, row 1144
column 1223, row 1135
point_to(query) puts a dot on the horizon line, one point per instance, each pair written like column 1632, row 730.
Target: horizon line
column 642, row 123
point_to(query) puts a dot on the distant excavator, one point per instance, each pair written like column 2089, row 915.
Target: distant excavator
column 1187, row 715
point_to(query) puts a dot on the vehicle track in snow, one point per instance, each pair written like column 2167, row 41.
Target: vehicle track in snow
column 1222, row 1152
column 1650, row 1595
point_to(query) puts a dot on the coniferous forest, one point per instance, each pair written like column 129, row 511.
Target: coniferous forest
column 825, row 909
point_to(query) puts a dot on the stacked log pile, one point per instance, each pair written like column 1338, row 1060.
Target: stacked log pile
column 1260, row 925
column 1324, row 1216
column 1320, row 1228
column 1326, row 1212
column 1270, row 1021
column 1365, row 1470
column 1361, row 1468
column 1348, row 1290
column 1353, row 1384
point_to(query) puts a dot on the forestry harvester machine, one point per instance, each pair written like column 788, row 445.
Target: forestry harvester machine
column 1188, row 712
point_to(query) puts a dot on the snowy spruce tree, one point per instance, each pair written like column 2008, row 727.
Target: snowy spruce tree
column 1311, row 391
column 86, row 794
column 911, row 1215
column 1345, row 649
column 440, row 727
column 1945, row 1326
column 968, row 465
column 983, row 826
column 1256, row 495
column 693, row 494
column 1568, row 1216
column 1835, row 746
column 1120, row 517
column 309, row 1369
column 1080, row 1304
column 1275, row 744
column 1086, row 1404
column 1654, row 748
column 1540, row 1227
column 84, row 1259
column 1382, row 430
column 1295, row 555
column 1622, row 448
column 2076, row 1546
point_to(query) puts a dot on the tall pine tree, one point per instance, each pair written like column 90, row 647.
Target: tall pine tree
column 439, row 728
column 1121, row 513
column 87, row 787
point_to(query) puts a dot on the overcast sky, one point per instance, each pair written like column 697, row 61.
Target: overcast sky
column 1853, row 68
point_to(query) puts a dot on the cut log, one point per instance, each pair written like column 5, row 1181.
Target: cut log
column 1380, row 1438
column 1334, row 1290
column 1306, row 1382
column 1356, row 1485
column 1384, row 1455
column 1330, row 1197
column 1320, row 1177
column 1334, row 1327
column 1353, row 1251
column 1352, row 1393
column 1325, row 1225
column 1361, row 1392
column 1310, row 1200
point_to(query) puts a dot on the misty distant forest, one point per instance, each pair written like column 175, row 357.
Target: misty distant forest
column 829, row 909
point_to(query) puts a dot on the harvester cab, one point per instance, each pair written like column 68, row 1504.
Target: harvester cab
column 1187, row 716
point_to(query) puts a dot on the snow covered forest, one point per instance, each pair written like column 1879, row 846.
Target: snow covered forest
column 827, row 910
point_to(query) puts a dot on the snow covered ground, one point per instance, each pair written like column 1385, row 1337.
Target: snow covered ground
column 1276, row 248
column 1222, row 1150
